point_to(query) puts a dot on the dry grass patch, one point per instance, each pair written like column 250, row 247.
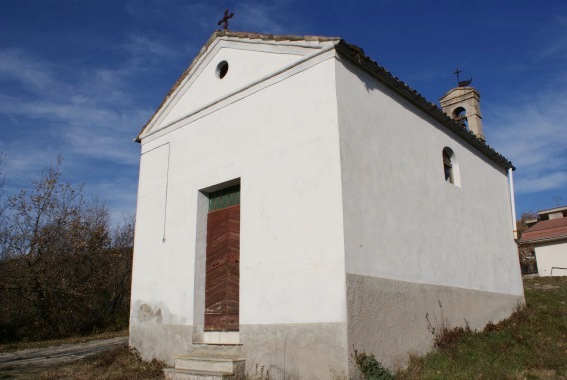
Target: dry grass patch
column 121, row 363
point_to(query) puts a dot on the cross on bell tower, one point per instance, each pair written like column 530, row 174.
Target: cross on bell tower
column 461, row 83
column 457, row 72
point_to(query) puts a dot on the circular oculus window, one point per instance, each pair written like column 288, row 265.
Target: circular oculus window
column 222, row 69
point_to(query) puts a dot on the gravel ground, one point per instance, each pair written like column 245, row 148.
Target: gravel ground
column 30, row 363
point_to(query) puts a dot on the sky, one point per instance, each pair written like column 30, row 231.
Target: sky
column 79, row 78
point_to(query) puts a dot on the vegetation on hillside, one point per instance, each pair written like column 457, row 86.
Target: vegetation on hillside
column 531, row 344
column 64, row 270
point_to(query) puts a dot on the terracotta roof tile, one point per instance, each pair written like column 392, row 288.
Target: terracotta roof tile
column 546, row 230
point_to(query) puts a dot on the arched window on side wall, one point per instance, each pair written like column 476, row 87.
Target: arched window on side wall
column 451, row 167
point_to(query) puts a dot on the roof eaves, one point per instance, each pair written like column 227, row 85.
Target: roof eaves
column 552, row 210
column 543, row 239
column 272, row 37
column 356, row 54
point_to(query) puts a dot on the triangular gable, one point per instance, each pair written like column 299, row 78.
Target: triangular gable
column 251, row 58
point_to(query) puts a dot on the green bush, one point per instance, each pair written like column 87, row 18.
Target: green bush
column 370, row 367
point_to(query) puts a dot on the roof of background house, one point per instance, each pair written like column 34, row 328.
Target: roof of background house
column 356, row 55
column 562, row 210
column 546, row 230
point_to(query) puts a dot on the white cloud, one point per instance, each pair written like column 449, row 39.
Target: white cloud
column 555, row 35
column 532, row 133
column 122, row 195
column 143, row 45
column 16, row 65
column 97, row 111
column 21, row 163
column 263, row 17
column 530, row 126
column 542, row 182
column 557, row 47
column 83, row 112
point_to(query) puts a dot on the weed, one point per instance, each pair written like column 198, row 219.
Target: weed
column 260, row 373
column 444, row 336
column 371, row 368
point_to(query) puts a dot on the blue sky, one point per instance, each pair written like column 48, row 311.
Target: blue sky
column 79, row 78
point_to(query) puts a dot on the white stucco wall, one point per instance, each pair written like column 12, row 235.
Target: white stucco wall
column 402, row 220
column 552, row 258
column 281, row 140
column 150, row 219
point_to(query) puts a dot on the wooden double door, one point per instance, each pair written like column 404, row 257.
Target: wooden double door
column 222, row 279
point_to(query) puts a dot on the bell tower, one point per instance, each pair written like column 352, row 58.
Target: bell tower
column 462, row 103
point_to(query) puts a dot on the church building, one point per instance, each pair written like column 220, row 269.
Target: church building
column 296, row 202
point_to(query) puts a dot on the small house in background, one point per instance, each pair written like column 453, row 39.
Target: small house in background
column 548, row 235
column 296, row 201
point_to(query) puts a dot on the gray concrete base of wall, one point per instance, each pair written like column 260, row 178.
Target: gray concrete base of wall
column 390, row 318
column 298, row 351
column 162, row 342
column 387, row 318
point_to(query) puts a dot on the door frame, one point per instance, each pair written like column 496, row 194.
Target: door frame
column 199, row 335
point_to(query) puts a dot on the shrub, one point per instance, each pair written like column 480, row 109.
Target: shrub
column 371, row 368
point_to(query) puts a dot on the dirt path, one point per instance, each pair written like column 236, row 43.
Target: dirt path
column 30, row 363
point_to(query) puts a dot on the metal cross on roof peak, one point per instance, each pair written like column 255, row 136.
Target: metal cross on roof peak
column 225, row 19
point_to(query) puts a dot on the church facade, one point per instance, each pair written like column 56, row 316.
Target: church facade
column 297, row 201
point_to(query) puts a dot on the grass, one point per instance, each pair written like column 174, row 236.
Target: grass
column 15, row 346
column 531, row 344
column 120, row 363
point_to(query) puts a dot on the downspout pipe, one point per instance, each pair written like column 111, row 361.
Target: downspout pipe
column 513, row 204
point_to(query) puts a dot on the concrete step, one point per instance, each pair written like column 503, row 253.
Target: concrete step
column 206, row 367
column 226, row 364
column 214, row 350
column 185, row 374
